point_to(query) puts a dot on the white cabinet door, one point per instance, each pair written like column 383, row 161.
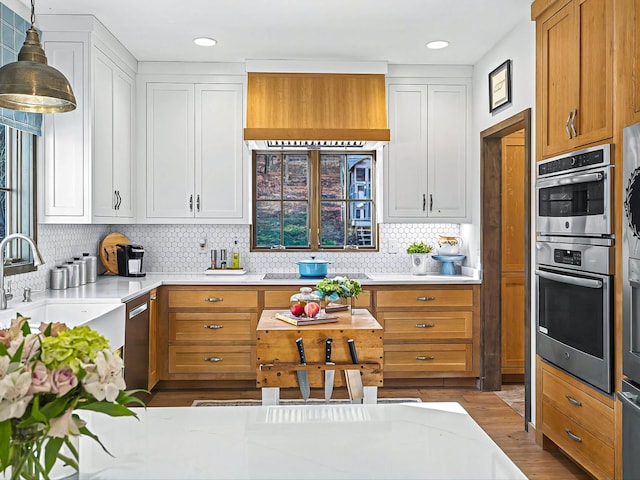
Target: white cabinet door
column 447, row 152
column 123, row 122
column 218, row 151
column 104, row 197
column 65, row 168
column 170, row 150
column 406, row 173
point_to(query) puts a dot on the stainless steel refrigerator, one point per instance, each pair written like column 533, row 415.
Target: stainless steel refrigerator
column 630, row 392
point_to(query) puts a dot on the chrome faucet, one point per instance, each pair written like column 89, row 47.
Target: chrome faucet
column 37, row 261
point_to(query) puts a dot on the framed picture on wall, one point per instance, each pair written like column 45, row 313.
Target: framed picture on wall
column 500, row 86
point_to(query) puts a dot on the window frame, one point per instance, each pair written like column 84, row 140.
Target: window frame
column 17, row 173
column 315, row 202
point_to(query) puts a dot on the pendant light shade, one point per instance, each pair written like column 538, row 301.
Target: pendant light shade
column 30, row 85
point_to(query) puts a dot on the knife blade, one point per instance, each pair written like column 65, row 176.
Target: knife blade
column 303, row 375
column 328, row 374
column 353, row 378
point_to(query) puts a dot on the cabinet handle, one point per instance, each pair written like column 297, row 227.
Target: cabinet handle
column 213, row 359
column 574, row 114
column 198, row 202
column 425, row 299
column 573, row 401
column 115, row 199
column 424, row 202
column 153, row 297
column 213, row 327
column 424, row 357
column 119, row 200
column 566, row 125
column 213, row 299
column 431, row 202
column 191, row 203
column 425, row 325
column 572, row 435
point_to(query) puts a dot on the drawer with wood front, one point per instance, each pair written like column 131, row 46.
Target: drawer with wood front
column 593, row 454
column 579, row 405
column 425, row 297
column 428, row 358
column 281, row 299
column 213, row 299
column 212, row 327
column 415, row 326
column 229, row 360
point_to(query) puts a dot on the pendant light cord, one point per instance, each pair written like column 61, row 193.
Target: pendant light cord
column 33, row 12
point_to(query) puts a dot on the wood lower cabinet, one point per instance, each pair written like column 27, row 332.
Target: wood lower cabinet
column 211, row 333
column 577, row 419
column 430, row 332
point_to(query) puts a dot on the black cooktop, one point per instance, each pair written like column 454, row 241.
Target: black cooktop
column 296, row 276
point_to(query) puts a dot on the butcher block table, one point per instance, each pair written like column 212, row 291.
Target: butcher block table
column 278, row 359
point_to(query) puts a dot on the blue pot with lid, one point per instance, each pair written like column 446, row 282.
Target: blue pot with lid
column 313, row 267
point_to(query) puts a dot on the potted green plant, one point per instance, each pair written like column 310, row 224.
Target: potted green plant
column 420, row 252
column 333, row 289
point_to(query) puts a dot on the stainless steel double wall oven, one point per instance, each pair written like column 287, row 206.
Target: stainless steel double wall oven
column 574, row 264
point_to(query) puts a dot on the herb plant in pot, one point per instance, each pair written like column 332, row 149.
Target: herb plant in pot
column 420, row 253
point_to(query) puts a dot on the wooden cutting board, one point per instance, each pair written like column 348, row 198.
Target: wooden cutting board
column 109, row 252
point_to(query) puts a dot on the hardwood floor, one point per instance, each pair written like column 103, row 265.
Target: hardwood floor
column 501, row 423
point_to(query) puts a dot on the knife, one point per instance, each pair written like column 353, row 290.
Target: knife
column 303, row 375
column 328, row 374
column 353, row 378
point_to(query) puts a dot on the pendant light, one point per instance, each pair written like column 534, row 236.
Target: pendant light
column 30, row 85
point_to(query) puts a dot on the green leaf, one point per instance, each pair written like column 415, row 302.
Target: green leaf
column 71, row 447
column 36, row 414
column 3, row 350
column 5, row 441
column 56, row 407
column 26, row 329
column 51, row 452
column 85, row 431
column 47, row 331
column 112, row 409
column 17, row 357
column 125, row 397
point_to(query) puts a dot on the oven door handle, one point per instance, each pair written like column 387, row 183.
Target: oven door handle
column 629, row 399
column 585, row 178
column 580, row 282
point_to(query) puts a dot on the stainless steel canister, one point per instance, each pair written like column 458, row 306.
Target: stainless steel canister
column 74, row 274
column 83, row 269
column 92, row 267
column 59, row 278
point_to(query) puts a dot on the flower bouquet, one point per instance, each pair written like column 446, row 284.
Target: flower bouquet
column 338, row 287
column 45, row 377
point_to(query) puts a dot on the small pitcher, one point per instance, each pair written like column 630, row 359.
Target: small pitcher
column 449, row 244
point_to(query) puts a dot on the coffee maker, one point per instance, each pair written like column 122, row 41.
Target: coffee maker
column 130, row 260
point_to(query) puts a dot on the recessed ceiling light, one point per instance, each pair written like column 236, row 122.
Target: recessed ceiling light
column 205, row 41
column 437, row 44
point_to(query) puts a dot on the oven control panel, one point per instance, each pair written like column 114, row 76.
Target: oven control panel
column 567, row 257
column 588, row 158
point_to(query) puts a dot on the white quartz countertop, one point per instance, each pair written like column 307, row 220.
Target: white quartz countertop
column 111, row 288
column 390, row 441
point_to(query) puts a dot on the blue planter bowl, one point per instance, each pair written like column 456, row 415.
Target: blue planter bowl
column 313, row 268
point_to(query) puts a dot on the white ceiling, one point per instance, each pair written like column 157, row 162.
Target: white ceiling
column 393, row 31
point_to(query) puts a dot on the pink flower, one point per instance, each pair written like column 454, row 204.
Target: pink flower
column 63, row 381
column 40, row 379
column 5, row 337
column 64, row 425
column 56, row 328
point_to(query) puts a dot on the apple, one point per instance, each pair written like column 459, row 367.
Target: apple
column 312, row 309
column 296, row 309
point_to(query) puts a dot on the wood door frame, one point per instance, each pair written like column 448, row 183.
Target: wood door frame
column 491, row 227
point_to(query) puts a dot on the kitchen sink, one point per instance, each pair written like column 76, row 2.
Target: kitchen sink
column 108, row 319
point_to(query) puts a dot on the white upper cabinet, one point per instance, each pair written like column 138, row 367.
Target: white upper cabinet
column 194, row 153
column 425, row 172
column 88, row 153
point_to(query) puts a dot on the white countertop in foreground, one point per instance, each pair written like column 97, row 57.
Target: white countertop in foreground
column 392, row 441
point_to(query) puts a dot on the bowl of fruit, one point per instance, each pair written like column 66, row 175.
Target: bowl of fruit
column 305, row 303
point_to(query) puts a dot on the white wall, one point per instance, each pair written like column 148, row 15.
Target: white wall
column 519, row 46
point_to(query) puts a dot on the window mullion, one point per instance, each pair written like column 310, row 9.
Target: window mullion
column 315, row 203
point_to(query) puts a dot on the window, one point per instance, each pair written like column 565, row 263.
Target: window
column 314, row 200
column 17, row 196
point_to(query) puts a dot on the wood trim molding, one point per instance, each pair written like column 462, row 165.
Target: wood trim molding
column 371, row 134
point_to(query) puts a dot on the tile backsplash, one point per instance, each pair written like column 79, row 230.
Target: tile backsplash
column 175, row 248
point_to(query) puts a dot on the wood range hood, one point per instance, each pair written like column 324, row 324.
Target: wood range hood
column 316, row 110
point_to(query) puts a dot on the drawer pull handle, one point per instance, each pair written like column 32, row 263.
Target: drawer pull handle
column 213, row 327
column 213, row 359
column 573, row 401
column 425, row 299
column 425, row 325
column 425, row 357
column 572, row 435
column 213, row 299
